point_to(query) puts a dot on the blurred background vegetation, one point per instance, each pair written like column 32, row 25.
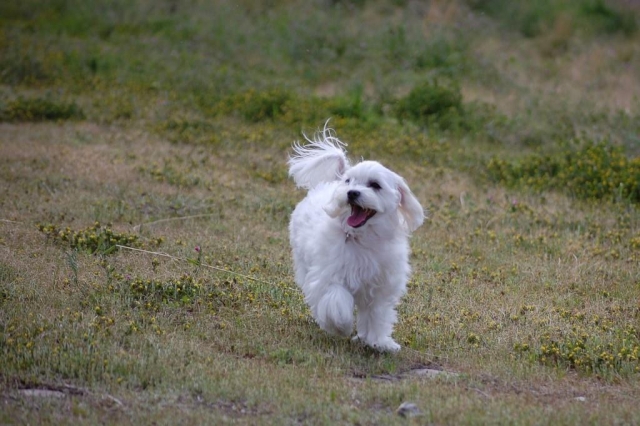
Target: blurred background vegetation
column 490, row 76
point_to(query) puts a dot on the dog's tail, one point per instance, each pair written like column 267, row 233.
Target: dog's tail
column 323, row 159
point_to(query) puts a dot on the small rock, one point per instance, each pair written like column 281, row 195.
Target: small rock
column 580, row 398
column 408, row 409
column 431, row 373
column 42, row 393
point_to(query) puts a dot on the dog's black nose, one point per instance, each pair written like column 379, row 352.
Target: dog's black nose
column 353, row 195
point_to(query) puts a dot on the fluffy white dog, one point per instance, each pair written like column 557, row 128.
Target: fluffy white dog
column 350, row 239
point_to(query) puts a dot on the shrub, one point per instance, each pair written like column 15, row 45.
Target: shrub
column 529, row 18
column 256, row 105
column 595, row 171
column 17, row 69
column 533, row 18
column 280, row 105
column 39, row 109
column 608, row 20
column 431, row 103
column 350, row 106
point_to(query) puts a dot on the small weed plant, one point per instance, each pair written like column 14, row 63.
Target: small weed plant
column 602, row 345
column 95, row 239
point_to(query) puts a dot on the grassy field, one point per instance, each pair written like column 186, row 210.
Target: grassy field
column 145, row 271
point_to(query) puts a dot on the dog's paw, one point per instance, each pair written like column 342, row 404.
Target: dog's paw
column 386, row 345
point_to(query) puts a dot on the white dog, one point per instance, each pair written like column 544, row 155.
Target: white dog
column 350, row 239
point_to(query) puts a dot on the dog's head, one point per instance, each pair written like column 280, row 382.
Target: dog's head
column 371, row 194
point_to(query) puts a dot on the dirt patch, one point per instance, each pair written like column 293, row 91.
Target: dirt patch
column 415, row 372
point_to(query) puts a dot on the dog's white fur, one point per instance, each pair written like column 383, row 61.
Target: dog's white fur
column 338, row 265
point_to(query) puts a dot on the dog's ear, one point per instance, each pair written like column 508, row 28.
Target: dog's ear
column 323, row 159
column 410, row 209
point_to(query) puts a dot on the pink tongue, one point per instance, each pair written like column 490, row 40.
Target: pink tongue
column 357, row 218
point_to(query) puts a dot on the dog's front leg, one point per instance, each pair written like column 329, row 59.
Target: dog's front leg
column 375, row 325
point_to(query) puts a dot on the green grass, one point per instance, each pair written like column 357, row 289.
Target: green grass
column 165, row 127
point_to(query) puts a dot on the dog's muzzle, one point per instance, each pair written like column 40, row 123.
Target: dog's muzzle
column 359, row 215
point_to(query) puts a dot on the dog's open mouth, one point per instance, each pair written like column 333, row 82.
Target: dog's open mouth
column 359, row 216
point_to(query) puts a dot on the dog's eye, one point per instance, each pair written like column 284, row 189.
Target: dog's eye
column 347, row 181
column 374, row 185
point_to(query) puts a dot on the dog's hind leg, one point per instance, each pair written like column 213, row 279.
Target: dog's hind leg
column 334, row 311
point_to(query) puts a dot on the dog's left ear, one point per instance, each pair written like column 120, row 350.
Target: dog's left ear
column 410, row 209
